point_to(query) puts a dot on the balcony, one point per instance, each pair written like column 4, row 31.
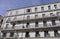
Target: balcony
column 8, row 38
column 32, row 28
column 44, row 38
column 33, row 38
column 17, row 20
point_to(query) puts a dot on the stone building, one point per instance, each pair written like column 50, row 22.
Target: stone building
column 32, row 22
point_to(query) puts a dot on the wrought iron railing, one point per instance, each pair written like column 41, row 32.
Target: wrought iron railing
column 46, row 16
column 31, row 26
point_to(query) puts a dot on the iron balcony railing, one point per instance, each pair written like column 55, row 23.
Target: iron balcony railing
column 31, row 26
column 32, row 18
column 32, row 38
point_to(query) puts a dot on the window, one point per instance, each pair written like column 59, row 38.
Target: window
column 36, row 24
column 2, row 21
column 8, row 20
column 56, row 33
column 59, row 19
column 14, row 18
column 27, row 34
column 46, row 34
column 11, row 34
column 42, row 8
column 11, row 13
column 16, row 12
column 53, row 22
column 27, row 25
column 55, row 6
column 36, row 16
column 51, row 14
column 4, row 34
column 37, row 34
column 28, row 10
column 35, row 9
column 45, row 23
column 49, row 7
column 58, row 13
column 43, row 15
column 13, row 25
column 28, row 17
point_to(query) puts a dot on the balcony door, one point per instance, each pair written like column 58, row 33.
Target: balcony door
column 11, row 34
column 56, row 34
column 27, row 25
column 4, row 34
column 46, row 34
column 27, row 34
column 36, row 24
column 43, row 15
column 44, row 23
column 53, row 22
column 13, row 26
column 37, row 34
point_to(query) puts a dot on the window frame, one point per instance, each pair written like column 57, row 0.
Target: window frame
column 36, row 9
column 49, row 7
column 28, row 17
column 43, row 15
column 28, row 10
column 36, row 16
column 55, row 6
column 42, row 8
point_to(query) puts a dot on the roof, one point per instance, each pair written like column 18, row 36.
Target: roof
column 32, row 6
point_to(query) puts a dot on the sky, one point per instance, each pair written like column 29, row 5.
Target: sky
column 13, row 4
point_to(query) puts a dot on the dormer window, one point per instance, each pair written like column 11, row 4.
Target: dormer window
column 55, row 6
column 28, row 10
column 10, row 13
column 42, row 8
column 35, row 9
column 16, row 12
column 49, row 7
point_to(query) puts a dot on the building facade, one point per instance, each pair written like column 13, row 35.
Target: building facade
column 33, row 22
column 1, row 20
